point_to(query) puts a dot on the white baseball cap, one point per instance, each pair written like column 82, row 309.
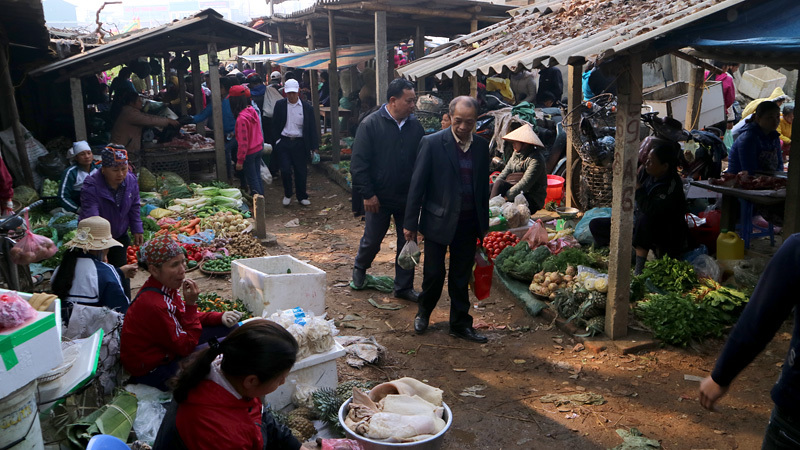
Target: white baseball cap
column 275, row 75
column 291, row 86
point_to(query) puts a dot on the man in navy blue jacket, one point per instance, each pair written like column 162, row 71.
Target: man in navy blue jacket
column 771, row 302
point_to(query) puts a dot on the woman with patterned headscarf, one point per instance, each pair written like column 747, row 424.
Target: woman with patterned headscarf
column 113, row 193
column 162, row 326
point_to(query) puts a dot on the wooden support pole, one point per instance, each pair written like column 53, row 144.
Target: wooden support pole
column 333, row 81
column 574, row 98
column 473, row 79
column 166, row 68
column 695, row 99
column 419, row 52
column 78, row 110
column 629, row 101
column 239, row 53
column 182, row 91
column 260, row 216
column 216, row 112
column 281, row 47
column 313, row 78
column 791, row 215
column 197, row 85
column 381, row 56
column 7, row 93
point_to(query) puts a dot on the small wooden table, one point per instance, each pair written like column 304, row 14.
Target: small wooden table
column 325, row 110
column 729, row 195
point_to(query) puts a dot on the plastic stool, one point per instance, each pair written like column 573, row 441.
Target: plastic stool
column 746, row 228
column 106, row 442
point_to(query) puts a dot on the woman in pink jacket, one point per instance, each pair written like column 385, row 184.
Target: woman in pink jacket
column 249, row 137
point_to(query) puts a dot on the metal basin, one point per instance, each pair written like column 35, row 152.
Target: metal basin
column 432, row 443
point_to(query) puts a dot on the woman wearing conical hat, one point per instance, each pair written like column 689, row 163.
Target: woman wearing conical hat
column 525, row 171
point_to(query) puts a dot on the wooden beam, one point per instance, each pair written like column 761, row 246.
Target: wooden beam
column 419, row 52
column 239, row 53
column 377, row 6
column 7, row 92
column 281, row 47
column 473, row 79
column 629, row 101
column 574, row 99
column 695, row 99
column 381, row 56
column 697, row 62
column 313, row 77
column 197, row 88
column 78, row 110
column 333, row 85
column 216, row 112
column 260, row 216
column 182, row 91
column 791, row 216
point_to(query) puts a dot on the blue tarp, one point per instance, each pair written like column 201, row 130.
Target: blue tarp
column 768, row 31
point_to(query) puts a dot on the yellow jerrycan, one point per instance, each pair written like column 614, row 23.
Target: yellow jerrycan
column 729, row 246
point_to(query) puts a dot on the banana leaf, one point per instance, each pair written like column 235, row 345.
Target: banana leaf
column 115, row 419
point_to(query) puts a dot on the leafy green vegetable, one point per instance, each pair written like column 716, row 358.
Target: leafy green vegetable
column 50, row 188
column 520, row 262
column 568, row 257
column 150, row 224
column 68, row 237
column 55, row 260
column 677, row 320
column 66, row 218
column 665, row 275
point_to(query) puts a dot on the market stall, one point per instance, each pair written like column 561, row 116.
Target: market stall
column 207, row 32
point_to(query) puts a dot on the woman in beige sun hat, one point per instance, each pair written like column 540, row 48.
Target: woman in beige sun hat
column 525, row 171
column 84, row 276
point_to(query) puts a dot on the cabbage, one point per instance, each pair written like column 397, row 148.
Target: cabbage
column 207, row 191
column 170, row 180
column 231, row 193
column 147, row 181
column 226, row 201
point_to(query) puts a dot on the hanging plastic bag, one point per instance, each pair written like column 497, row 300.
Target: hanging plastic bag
column 315, row 158
column 536, row 235
column 409, row 255
column 728, row 139
column 482, row 275
column 266, row 176
column 14, row 311
column 32, row 248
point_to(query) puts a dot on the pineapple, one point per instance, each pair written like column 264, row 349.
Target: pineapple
column 327, row 403
column 345, row 389
column 306, row 413
column 302, row 428
column 280, row 417
column 596, row 325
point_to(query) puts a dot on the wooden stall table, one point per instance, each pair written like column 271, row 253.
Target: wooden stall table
column 730, row 195
column 343, row 114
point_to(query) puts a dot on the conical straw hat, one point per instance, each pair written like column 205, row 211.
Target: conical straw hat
column 524, row 134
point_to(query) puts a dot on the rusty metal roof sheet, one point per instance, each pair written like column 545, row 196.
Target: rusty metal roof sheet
column 564, row 32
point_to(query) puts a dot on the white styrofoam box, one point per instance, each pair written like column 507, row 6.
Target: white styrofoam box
column 317, row 370
column 671, row 101
column 54, row 307
column 27, row 352
column 84, row 368
column 275, row 283
column 759, row 83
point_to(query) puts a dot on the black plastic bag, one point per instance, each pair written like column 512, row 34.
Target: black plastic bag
column 51, row 165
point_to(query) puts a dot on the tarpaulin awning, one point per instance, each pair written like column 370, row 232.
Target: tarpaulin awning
column 766, row 34
column 346, row 55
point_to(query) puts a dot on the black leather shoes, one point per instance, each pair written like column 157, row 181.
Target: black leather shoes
column 359, row 277
column 407, row 294
column 421, row 323
column 468, row 334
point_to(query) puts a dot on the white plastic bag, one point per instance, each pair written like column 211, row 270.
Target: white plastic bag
column 496, row 201
column 409, row 255
column 266, row 176
column 706, row 267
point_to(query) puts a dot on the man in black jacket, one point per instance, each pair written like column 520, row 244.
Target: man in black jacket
column 383, row 159
column 448, row 202
column 296, row 138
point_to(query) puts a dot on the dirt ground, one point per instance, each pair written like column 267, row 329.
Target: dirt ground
column 524, row 360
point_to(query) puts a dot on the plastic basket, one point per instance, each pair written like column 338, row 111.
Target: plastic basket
column 595, row 190
column 601, row 113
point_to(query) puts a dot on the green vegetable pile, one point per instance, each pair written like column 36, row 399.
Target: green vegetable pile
column 55, row 260
column 150, row 224
column 66, row 218
column 50, row 188
column 568, row 257
column 677, row 320
column 220, row 264
column 520, row 262
column 212, row 302
column 666, row 275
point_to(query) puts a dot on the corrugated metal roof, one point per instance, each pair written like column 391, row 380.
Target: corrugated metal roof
column 569, row 31
column 181, row 35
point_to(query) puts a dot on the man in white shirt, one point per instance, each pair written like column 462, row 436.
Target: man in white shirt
column 295, row 139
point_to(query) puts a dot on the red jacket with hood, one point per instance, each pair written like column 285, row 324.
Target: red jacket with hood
column 248, row 134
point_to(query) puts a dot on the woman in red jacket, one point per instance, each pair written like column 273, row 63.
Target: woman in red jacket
column 218, row 392
column 161, row 327
column 249, row 137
